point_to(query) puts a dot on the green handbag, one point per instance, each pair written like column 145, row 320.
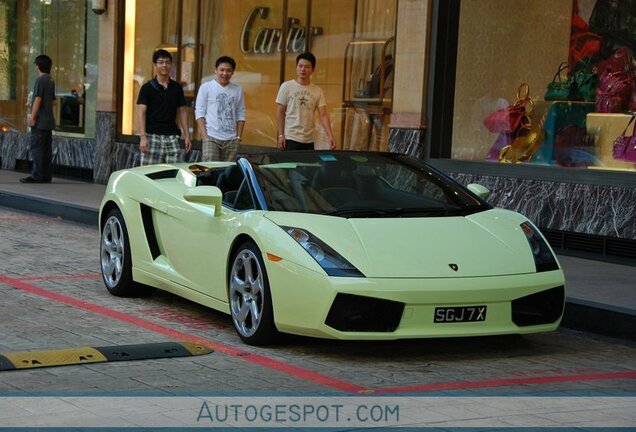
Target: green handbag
column 586, row 81
column 559, row 89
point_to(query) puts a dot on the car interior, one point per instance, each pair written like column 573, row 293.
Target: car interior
column 328, row 187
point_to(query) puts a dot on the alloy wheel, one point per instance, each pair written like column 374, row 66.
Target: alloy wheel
column 112, row 251
column 246, row 292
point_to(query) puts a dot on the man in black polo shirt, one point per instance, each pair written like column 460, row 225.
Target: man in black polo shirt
column 157, row 105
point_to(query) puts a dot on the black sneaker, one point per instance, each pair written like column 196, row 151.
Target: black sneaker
column 28, row 180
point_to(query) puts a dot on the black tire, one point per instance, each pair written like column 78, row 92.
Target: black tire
column 116, row 258
column 249, row 297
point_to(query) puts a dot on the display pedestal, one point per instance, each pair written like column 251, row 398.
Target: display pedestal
column 607, row 127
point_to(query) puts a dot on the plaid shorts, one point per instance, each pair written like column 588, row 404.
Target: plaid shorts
column 218, row 150
column 162, row 149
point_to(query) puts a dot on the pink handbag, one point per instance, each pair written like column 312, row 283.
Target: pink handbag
column 510, row 119
column 613, row 93
column 625, row 146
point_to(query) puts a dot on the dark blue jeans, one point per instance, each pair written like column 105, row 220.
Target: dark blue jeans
column 41, row 154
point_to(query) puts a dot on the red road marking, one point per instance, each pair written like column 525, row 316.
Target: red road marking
column 297, row 371
column 56, row 277
column 226, row 349
column 505, row 382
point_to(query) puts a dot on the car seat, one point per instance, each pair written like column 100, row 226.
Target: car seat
column 336, row 183
column 229, row 182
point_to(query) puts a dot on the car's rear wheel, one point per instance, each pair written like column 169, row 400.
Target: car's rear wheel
column 249, row 296
column 116, row 259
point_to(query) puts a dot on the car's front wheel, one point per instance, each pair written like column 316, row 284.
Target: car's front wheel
column 116, row 259
column 249, row 296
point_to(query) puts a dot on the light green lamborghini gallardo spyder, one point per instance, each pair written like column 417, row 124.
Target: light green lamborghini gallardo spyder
column 344, row 245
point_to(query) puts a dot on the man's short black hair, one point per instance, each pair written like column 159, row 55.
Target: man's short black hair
column 225, row 59
column 44, row 63
column 307, row 56
column 161, row 53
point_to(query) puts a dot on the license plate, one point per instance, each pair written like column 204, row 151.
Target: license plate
column 460, row 314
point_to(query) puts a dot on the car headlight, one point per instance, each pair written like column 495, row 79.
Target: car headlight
column 543, row 257
column 331, row 261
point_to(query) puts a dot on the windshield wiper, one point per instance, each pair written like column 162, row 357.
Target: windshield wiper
column 345, row 212
column 405, row 211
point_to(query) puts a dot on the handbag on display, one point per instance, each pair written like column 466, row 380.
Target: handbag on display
column 559, row 88
column 625, row 146
column 585, row 80
column 619, row 61
column 583, row 42
column 616, row 19
column 511, row 118
column 614, row 92
column 580, row 86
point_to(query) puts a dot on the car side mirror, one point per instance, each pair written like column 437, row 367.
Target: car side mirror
column 208, row 195
column 479, row 190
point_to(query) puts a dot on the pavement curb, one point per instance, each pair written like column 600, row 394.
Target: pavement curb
column 71, row 212
column 600, row 318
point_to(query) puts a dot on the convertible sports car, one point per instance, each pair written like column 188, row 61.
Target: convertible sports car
column 345, row 245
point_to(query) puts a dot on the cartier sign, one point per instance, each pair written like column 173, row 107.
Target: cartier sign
column 267, row 40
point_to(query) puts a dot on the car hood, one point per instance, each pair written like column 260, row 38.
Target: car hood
column 488, row 243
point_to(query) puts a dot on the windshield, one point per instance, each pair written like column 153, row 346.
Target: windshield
column 354, row 184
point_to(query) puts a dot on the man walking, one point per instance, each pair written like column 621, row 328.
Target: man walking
column 157, row 105
column 42, row 123
column 296, row 103
column 220, row 113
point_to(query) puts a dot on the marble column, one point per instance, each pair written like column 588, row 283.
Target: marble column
column 408, row 141
column 104, row 146
column 408, row 120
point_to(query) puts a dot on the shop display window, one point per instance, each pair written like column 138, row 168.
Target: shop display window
column 66, row 31
column 197, row 32
column 11, row 107
column 577, row 75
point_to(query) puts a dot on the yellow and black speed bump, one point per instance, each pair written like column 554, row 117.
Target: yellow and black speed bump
column 82, row 355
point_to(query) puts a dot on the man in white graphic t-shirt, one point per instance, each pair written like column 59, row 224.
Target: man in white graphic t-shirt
column 296, row 103
column 220, row 113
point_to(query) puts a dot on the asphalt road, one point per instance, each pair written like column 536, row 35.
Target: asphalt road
column 53, row 298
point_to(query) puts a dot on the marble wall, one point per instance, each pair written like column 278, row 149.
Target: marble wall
column 580, row 208
column 67, row 151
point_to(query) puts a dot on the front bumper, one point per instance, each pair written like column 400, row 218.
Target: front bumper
column 302, row 301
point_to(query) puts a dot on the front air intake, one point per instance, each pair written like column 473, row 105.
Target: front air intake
column 544, row 307
column 352, row 313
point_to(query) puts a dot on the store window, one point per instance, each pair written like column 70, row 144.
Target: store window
column 198, row 32
column 551, row 83
column 10, row 70
column 66, row 31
